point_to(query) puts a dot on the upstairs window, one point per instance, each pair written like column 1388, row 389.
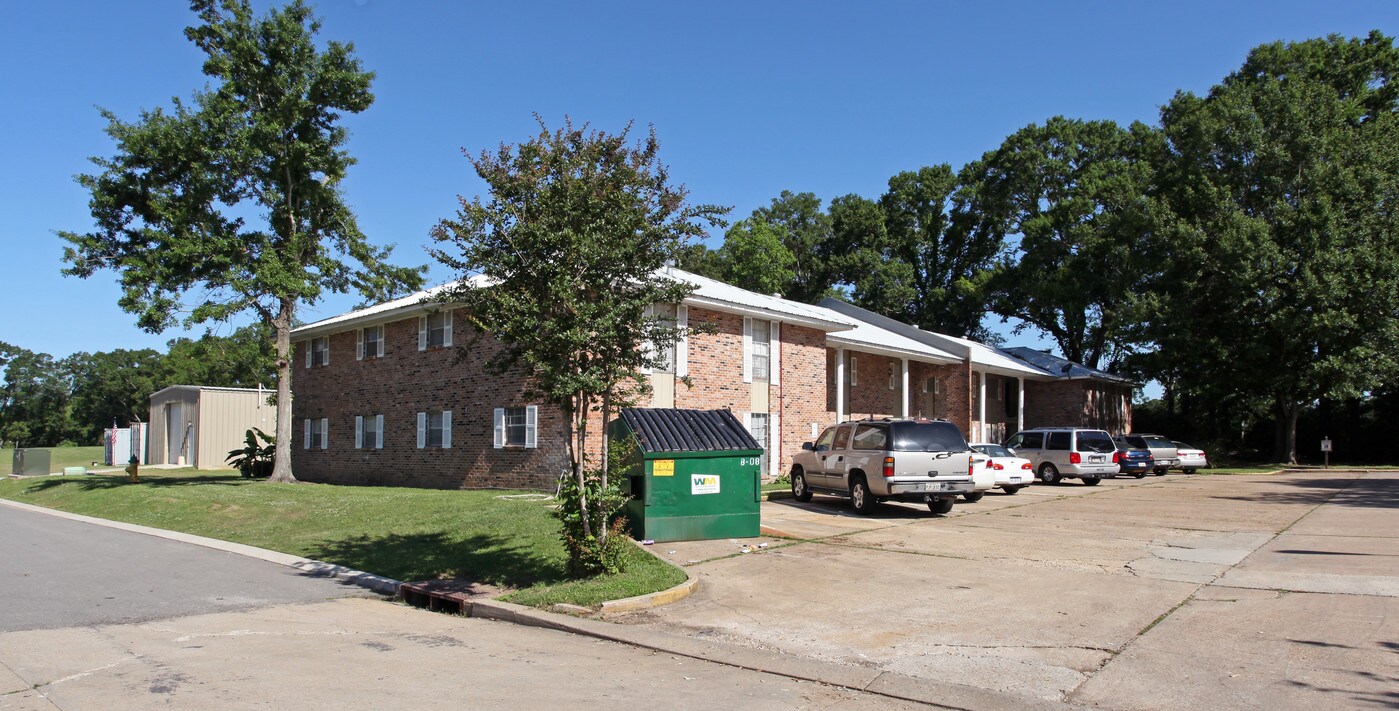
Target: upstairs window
column 370, row 343
column 435, row 330
column 318, row 351
column 762, row 349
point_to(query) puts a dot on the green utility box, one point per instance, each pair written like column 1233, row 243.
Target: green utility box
column 693, row 474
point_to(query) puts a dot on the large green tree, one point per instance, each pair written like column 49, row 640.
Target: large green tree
column 1070, row 198
column 34, row 399
column 806, row 231
column 1285, row 259
column 561, row 263
column 911, row 255
column 242, row 359
column 232, row 202
column 111, row 387
column 755, row 257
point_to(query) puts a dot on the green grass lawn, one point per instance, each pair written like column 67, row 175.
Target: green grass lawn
column 407, row 534
column 59, row 457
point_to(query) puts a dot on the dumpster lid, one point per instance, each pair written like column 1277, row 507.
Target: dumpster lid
column 671, row 430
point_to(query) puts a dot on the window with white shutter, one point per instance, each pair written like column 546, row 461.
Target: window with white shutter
column 760, row 348
column 359, row 432
column 775, row 353
column 306, row 434
column 379, row 428
column 325, row 433
column 682, row 347
column 747, row 349
column 369, row 431
column 422, row 430
column 854, row 371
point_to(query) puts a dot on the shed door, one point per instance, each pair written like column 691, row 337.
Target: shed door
column 174, row 431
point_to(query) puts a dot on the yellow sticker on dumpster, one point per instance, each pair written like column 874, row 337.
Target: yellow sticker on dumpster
column 663, row 467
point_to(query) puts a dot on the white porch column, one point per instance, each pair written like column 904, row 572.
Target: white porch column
column 906, row 393
column 840, row 385
column 1020, row 405
column 981, row 407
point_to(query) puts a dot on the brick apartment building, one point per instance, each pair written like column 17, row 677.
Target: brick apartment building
column 384, row 397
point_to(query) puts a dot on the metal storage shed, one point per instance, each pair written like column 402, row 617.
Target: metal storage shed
column 196, row 426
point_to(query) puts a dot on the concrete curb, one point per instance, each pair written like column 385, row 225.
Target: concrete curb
column 655, row 599
column 874, row 681
column 379, row 584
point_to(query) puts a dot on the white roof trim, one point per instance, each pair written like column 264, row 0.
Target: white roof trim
column 708, row 293
column 198, row 388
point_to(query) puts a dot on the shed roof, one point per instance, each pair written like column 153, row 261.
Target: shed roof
column 670, row 430
column 1065, row 368
column 201, row 388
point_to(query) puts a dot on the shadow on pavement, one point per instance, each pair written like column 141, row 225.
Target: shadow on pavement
column 1358, row 493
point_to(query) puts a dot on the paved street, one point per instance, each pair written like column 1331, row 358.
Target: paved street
column 60, row 573
column 94, row 618
column 1184, row 592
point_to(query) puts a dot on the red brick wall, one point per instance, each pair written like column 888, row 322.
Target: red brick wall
column 398, row 386
column 802, row 390
column 1078, row 403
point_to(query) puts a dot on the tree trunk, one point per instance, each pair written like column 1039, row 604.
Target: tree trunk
column 606, row 414
column 580, row 454
column 1285, row 442
column 281, row 469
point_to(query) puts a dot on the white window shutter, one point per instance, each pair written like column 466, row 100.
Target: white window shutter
column 775, row 353
column 380, row 344
column 327, row 351
column 325, row 433
column 379, row 430
column 648, row 349
column 447, row 335
column 306, row 434
column 854, row 371
column 747, row 419
column 892, row 375
column 359, row 344
column 499, row 427
column 422, row 333
column 925, row 385
column 359, row 432
column 747, row 349
column 308, row 352
column 446, row 429
column 682, row 347
column 531, row 427
column 422, row 430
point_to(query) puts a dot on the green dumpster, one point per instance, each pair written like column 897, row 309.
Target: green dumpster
column 693, row 474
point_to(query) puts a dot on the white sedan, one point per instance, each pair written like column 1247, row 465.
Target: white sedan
column 1011, row 473
column 1190, row 458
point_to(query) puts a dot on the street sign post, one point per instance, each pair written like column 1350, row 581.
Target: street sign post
column 1326, row 451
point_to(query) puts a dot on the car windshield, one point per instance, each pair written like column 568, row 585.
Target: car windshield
column 927, row 437
column 993, row 450
column 1095, row 442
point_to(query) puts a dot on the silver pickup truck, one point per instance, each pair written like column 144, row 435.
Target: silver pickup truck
column 882, row 460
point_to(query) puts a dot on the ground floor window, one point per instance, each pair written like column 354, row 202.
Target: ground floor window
column 435, row 430
column 369, row 432
column 517, row 427
column 758, row 427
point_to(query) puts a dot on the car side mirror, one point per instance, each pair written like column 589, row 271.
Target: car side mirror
column 807, row 447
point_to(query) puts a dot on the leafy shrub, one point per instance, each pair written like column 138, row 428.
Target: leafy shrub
column 253, row 459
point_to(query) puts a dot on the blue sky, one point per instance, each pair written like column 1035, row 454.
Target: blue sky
column 748, row 99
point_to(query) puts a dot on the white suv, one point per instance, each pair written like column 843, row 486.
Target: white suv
column 1059, row 453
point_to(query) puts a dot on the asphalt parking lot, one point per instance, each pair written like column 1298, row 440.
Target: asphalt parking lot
column 1167, row 592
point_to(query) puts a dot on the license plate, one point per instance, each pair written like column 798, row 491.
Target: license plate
column 1015, row 480
column 1096, row 458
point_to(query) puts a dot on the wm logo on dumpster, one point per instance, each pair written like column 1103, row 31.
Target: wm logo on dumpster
column 704, row 484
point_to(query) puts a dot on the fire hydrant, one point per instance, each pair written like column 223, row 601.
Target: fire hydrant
column 132, row 471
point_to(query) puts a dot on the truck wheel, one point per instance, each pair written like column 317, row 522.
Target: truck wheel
column 942, row 506
column 1160, row 472
column 1188, row 471
column 1048, row 474
column 973, row 497
column 1091, row 481
column 799, row 490
column 1140, row 474
column 860, row 497
column 1011, row 489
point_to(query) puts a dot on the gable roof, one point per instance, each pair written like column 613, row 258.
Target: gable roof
column 708, row 293
column 981, row 356
column 1065, row 368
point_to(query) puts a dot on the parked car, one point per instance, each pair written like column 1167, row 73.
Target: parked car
column 1191, row 458
column 871, row 461
column 1012, row 473
column 1162, row 450
column 1059, row 453
column 1136, row 461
